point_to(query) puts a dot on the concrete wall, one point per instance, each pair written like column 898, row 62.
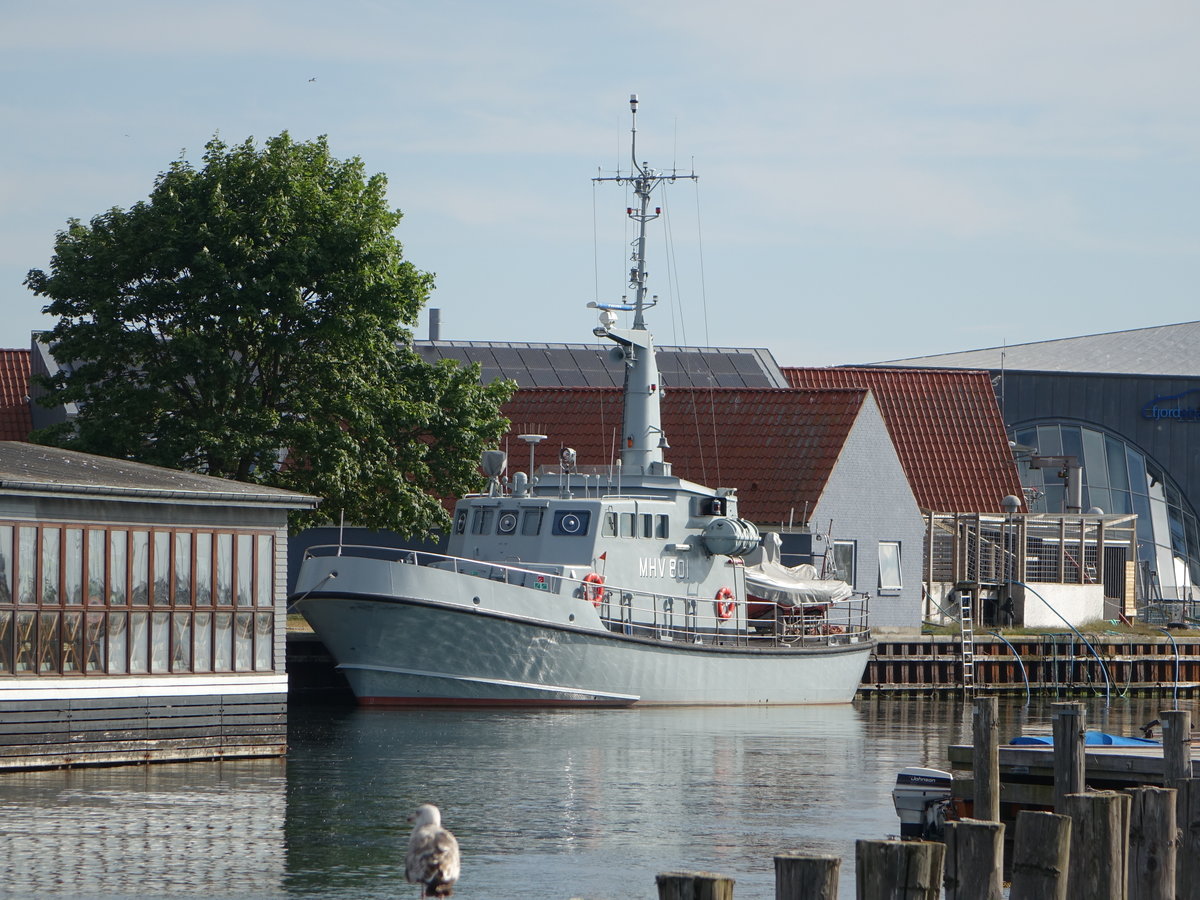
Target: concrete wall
column 1077, row 603
column 868, row 500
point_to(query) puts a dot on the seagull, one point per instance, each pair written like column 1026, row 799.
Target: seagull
column 432, row 859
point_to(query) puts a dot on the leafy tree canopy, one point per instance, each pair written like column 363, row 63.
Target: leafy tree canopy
column 257, row 309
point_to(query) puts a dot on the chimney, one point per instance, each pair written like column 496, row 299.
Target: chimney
column 435, row 324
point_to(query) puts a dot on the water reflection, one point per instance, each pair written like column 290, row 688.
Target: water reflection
column 545, row 805
column 195, row 829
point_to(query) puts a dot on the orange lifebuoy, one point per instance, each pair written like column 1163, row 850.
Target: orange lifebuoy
column 593, row 588
column 724, row 603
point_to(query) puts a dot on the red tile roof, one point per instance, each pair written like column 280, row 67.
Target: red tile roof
column 776, row 446
column 15, row 420
column 947, row 429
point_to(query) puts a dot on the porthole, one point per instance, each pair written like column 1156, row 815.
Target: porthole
column 507, row 523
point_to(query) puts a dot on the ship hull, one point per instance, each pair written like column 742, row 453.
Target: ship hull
column 454, row 640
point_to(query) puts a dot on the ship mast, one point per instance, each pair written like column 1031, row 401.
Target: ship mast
column 643, row 440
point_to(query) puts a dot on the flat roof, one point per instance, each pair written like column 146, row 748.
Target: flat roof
column 1159, row 350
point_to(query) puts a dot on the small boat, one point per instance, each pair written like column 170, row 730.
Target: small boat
column 591, row 585
column 923, row 801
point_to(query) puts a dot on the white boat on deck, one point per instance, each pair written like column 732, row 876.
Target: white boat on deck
column 591, row 585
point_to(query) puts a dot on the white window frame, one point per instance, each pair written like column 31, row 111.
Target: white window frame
column 890, row 562
column 853, row 573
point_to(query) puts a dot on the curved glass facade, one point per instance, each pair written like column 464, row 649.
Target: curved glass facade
column 1119, row 478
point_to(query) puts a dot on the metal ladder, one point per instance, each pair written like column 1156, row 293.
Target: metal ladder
column 967, row 623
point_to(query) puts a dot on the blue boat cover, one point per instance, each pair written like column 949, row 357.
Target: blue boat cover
column 1090, row 738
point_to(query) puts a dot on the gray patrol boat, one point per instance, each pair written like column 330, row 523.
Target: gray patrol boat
column 591, row 585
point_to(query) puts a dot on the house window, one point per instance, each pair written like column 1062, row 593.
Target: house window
column 889, row 566
column 845, row 557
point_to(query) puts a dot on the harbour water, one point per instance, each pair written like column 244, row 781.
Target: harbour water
column 546, row 805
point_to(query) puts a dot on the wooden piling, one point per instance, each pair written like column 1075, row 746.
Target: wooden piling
column 1177, row 745
column 1041, row 856
column 974, row 860
column 1099, row 839
column 1069, row 759
column 1187, row 859
column 806, row 876
column 986, row 759
column 899, row 870
column 694, row 886
column 1152, row 844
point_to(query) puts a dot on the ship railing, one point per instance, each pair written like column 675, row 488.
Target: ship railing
column 653, row 614
column 697, row 620
column 536, row 577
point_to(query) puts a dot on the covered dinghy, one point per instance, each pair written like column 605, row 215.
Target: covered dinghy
column 770, row 583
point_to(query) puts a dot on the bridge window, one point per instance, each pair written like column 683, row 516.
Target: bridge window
column 531, row 521
column 573, row 523
column 482, row 523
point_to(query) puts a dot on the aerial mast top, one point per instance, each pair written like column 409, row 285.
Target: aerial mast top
column 645, row 440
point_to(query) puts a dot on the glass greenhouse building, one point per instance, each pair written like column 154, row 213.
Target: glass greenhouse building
column 1118, row 477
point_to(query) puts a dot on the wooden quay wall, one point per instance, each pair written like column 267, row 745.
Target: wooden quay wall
column 1054, row 664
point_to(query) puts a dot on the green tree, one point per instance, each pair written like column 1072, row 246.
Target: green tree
column 251, row 320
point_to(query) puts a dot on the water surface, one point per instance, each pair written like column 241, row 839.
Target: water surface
column 545, row 804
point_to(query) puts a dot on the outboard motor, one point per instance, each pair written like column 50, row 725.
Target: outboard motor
column 730, row 537
column 922, row 798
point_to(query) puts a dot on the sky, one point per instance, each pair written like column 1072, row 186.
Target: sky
column 877, row 180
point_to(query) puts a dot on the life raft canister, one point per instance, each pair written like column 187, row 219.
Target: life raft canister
column 724, row 601
column 593, row 588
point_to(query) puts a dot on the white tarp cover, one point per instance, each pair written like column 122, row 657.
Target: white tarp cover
column 768, row 579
